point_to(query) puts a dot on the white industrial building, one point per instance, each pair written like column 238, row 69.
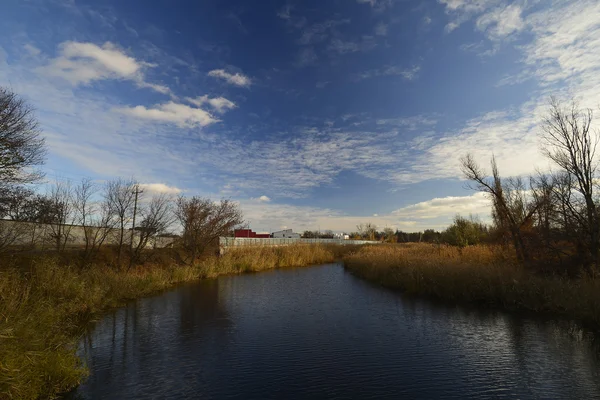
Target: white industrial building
column 285, row 234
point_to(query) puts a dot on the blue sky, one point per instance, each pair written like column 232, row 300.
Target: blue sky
column 312, row 114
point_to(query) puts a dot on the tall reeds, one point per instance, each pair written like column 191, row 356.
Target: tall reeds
column 483, row 275
column 44, row 306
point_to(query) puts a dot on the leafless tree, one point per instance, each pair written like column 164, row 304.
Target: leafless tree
column 21, row 145
column 95, row 218
column 389, row 234
column 119, row 195
column 12, row 233
column 367, row 231
column 84, row 207
column 156, row 218
column 570, row 142
column 512, row 210
column 15, row 203
column 61, row 220
column 203, row 221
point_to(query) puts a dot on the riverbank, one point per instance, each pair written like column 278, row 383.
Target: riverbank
column 45, row 305
column 483, row 275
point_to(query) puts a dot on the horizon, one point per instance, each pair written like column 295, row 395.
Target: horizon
column 316, row 115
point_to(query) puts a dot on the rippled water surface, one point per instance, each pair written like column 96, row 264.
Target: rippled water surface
column 319, row 332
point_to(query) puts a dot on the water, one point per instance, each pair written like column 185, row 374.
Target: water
column 319, row 332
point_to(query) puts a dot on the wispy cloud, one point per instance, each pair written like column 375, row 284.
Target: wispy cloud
column 501, row 22
column 320, row 31
column 285, row 12
column 436, row 213
column 560, row 55
column 306, row 56
column 160, row 188
column 340, row 46
column 476, row 204
column 219, row 104
column 236, row 79
column 408, row 74
column 82, row 63
column 378, row 5
column 464, row 10
column 381, row 29
column 179, row 114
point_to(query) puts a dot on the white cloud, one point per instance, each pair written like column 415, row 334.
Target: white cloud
column 432, row 214
column 285, row 12
column 180, row 114
column 319, row 32
column 566, row 40
column 160, row 188
column 381, row 29
column 32, row 50
column 378, row 5
column 219, row 104
column 305, row 57
column 501, row 22
column 476, row 204
column 340, row 46
column 463, row 10
column 84, row 63
column 264, row 199
column 407, row 73
column 236, row 79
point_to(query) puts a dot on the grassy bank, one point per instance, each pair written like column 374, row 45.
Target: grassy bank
column 484, row 275
column 44, row 306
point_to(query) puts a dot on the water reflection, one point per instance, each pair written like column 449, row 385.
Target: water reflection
column 321, row 333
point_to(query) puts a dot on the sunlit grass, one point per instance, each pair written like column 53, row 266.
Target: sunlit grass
column 484, row 275
column 44, row 306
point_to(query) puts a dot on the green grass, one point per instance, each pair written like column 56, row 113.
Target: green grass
column 483, row 275
column 44, row 307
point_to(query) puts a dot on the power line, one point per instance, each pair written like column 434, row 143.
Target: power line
column 137, row 192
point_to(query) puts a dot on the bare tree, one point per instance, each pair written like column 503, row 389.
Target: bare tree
column 95, row 218
column 203, row 221
column 84, row 207
column 15, row 203
column 512, row 210
column 156, row 218
column 570, row 142
column 367, row 231
column 389, row 234
column 21, row 145
column 119, row 195
column 12, row 233
column 61, row 219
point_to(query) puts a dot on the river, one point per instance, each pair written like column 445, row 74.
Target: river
column 320, row 332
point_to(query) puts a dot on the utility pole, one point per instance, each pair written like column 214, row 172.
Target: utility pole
column 137, row 192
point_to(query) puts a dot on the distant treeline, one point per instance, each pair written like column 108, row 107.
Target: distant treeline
column 462, row 232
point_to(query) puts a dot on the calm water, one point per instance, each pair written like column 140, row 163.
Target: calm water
column 322, row 333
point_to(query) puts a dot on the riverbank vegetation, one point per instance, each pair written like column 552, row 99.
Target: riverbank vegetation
column 484, row 275
column 45, row 303
column 542, row 250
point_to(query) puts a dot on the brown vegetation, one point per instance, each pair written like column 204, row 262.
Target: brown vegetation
column 44, row 303
column 484, row 275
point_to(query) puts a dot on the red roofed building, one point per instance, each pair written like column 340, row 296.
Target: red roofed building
column 249, row 233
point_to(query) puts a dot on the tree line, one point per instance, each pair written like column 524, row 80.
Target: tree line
column 117, row 213
column 550, row 218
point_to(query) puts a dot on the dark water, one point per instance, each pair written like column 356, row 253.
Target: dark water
column 321, row 333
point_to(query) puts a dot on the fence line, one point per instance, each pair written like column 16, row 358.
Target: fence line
column 229, row 242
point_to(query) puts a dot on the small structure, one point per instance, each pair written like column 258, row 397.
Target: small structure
column 285, row 234
column 249, row 233
column 343, row 236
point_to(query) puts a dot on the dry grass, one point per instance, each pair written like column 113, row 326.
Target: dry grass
column 484, row 275
column 43, row 308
